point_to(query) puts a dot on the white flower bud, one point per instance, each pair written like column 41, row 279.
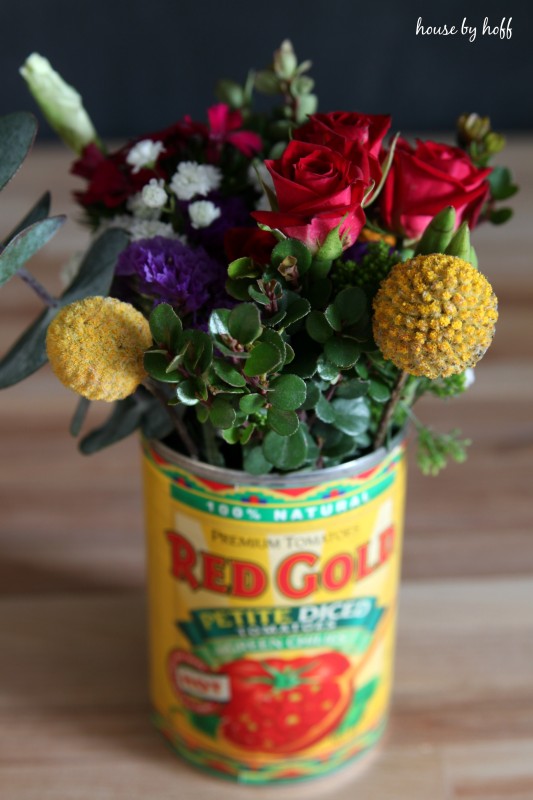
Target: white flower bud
column 60, row 103
column 153, row 194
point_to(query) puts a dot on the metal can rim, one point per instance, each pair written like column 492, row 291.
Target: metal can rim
column 297, row 479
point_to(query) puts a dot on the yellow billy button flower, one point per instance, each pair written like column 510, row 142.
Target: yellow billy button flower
column 434, row 315
column 96, row 347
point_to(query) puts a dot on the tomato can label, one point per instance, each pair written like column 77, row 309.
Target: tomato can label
column 272, row 616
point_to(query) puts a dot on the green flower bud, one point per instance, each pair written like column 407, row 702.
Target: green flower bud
column 472, row 128
column 494, row 142
column 285, row 61
column 60, row 103
column 438, row 233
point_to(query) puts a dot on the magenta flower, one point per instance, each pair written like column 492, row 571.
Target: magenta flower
column 225, row 126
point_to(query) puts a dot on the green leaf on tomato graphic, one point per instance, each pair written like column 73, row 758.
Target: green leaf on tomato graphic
column 358, row 706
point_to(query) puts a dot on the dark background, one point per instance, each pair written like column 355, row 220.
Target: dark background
column 141, row 64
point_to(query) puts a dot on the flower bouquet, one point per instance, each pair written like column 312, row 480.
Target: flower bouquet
column 266, row 298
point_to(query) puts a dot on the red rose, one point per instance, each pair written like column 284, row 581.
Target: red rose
column 316, row 189
column 357, row 137
column 425, row 179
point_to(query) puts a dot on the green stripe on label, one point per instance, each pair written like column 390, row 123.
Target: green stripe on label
column 282, row 513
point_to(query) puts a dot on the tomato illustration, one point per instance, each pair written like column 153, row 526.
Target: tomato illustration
column 282, row 706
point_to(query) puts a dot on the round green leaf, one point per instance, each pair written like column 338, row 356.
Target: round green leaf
column 287, row 392
column 251, row 403
column 350, row 304
column 166, row 327
column 292, row 247
column 351, row 416
column 186, row 393
column 378, row 391
column 221, row 413
column 297, row 310
column 312, row 396
column 283, row 422
column 218, row 322
column 228, row 374
column 197, row 351
column 333, row 317
column 263, row 358
column 244, row 323
column 324, row 410
column 285, row 452
column 156, row 365
column 318, row 327
column 342, row 351
column 254, row 461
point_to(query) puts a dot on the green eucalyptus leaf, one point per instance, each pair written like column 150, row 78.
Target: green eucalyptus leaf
column 318, row 327
column 28, row 354
column 17, row 133
column 39, row 211
column 98, row 266
column 285, row 452
column 25, row 244
column 79, row 416
column 125, row 418
column 166, row 327
column 263, row 358
column 283, row 422
column 221, row 413
column 244, row 323
column 252, row 403
column 342, row 351
column 287, row 392
column 227, row 373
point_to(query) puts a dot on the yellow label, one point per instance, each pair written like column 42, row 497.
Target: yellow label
column 272, row 617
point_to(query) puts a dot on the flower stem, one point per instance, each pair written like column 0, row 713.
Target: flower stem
column 181, row 430
column 390, row 408
column 38, row 288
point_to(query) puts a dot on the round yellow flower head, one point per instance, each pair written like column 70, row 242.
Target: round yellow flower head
column 96, row 346
column 434, row 315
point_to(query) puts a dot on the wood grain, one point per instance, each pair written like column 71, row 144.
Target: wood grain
column 74, row 713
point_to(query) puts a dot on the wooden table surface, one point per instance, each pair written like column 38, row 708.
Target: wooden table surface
column 74, row 713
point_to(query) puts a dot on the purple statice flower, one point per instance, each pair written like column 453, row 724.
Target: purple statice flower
column 168, row 271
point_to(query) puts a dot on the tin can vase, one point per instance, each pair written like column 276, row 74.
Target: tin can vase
column 272, row 609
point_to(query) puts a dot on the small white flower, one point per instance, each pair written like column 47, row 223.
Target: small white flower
column 144, row 153
column 192, row 179
column 203, row 213
column 141, row 228
column 153, row 194
column 138, row 207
